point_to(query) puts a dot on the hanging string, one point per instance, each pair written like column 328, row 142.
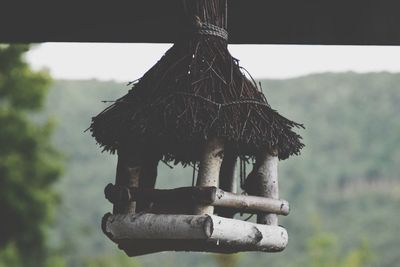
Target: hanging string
column 241, row 173
column 205, row 28
column 166, row 163
column 194, row 174
column 244, row 169
column 248, row 218
column 210, row 29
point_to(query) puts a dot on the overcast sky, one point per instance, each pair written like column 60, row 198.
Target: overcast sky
column 125, row 62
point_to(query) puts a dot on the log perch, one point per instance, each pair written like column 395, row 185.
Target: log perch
column 191, row 233
column 182, row 200
column 243, row 203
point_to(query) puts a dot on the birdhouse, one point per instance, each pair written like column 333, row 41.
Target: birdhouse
column 198, row 107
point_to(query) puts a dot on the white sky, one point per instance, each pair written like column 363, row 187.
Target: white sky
column 126, row 62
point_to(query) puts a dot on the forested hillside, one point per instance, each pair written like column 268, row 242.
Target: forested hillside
column 344, row 189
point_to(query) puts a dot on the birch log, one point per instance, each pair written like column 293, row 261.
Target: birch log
column 140, row 247
column 227, row 179
column 267, row 170
column 127, row 175
column 181, row 200
column 243, row 203
column 196, row 231
column 210, row 165
column 147, row 177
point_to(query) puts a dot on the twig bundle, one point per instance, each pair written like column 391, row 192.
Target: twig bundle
column 195, row 91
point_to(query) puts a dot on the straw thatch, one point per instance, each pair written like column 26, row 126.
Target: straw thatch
column 196, row 90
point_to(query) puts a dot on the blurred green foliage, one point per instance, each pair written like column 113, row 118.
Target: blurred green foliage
column 226, row 260
column 117, row 260
column 322, row 250
column 29, row 164
column 9, row 256
column 347, row 175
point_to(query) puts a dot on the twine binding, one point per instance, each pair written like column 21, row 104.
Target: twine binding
column 210, row 29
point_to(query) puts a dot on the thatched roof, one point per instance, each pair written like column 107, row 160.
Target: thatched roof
column 197, row 90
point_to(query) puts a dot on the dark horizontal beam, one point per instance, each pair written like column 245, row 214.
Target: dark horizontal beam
column 333, row 22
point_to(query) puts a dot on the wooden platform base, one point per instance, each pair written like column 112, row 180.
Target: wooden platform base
column 144, row 233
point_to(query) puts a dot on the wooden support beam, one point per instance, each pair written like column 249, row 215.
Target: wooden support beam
column 267, row 172
column 182, row 200
column 205, row 195
column 210, row 165
column 227, row 179
column 127, row 175
column 139, row 247
column 243, row 203
column 147, row 177
column 171, row 201
column 137, row 167
column 191, row 233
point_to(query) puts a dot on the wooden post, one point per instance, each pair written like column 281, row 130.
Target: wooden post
column 137, row 167
column 147, row 177
column 227, row 173
column 267, row 170
column 210, row 165
column 127, row 176
column 227, row 178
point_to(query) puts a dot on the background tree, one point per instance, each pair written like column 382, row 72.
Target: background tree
column 348, row 174
column 29, row 165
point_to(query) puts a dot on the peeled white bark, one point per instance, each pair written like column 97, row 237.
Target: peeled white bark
column 181, row 200
column 245, row 203
column 156, row 226
column 209, row 169
column 267, row 168
column 222, row 234
column 241, row 233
